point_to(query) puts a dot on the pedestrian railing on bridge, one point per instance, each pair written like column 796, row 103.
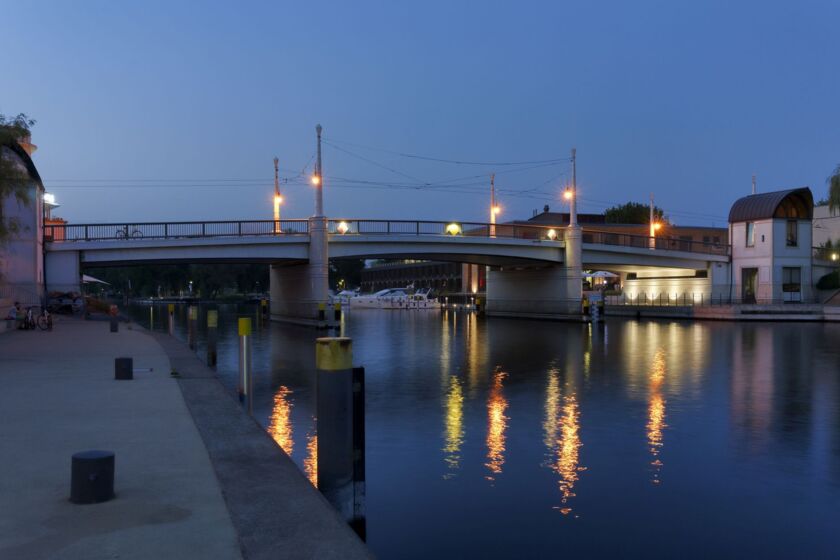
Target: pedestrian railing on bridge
column 655, row 243
column 173, row 230
column 249, row 228
column 440, row 228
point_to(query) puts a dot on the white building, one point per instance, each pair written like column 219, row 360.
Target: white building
column 21, row 255
column 771, row 238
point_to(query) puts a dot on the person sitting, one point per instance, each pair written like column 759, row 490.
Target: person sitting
column 15, row 314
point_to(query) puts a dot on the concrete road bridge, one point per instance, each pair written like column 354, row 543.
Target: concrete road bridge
column 534, row 270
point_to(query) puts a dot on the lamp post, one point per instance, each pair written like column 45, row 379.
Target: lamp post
column 318, row 178
column 494, row 208
column 278, row 200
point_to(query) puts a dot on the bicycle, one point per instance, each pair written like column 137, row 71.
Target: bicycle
column 122, row 233
column 45, row 320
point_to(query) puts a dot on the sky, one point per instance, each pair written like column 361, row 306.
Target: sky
column 159, row 111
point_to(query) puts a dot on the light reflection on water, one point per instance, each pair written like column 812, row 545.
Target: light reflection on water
column 496, row 425
column 578, row 419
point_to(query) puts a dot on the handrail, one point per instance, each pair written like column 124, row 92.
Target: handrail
column 443, row 228
column 173, row 230
column 241, row 228
column 606, row 237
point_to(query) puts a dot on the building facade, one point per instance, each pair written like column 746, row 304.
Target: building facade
column 22, row 253
column 772, row 245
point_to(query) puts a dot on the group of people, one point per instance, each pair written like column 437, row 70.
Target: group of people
column 18, row 315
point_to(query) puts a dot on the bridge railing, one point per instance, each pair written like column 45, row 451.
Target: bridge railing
column 173, row 230
column 440, row 228
column 655, row 243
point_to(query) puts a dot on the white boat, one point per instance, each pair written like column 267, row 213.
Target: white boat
column 343, row 297
column 395, row 298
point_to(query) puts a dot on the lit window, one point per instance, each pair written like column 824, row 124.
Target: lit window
column 750, row 234
column 791, row 233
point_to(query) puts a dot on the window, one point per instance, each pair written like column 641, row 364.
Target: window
column 791, row 285
column 791, row 233
column 750, row 234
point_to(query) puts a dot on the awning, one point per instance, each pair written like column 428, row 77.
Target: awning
column 91, row 280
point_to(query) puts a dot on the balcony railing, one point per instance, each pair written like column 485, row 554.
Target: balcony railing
column 173, row 230
column 654, row 243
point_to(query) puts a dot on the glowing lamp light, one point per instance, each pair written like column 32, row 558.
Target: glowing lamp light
column 453, row 229
column 835, row 256
column 316, row 180
column 552, row 234
column 657, row 226
column 342, row 227
column 568, row 194
column 278, row 199
column 497, row 210
column 49, row 198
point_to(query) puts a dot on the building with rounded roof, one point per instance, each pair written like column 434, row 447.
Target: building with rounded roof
column 771, row 237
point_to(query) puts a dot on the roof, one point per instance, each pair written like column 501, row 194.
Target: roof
column 555, row 218
column 791, row 203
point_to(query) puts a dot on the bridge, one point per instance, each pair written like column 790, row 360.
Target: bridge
column 534, row 270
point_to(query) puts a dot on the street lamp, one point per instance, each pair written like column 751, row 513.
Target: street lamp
column 316, row 180
column 568, row 194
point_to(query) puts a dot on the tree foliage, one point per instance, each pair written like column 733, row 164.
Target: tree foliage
column 633, row 213
column 14, row 180
column 209, row 281
column 834, row 191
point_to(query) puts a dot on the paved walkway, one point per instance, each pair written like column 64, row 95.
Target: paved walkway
column 58, row 396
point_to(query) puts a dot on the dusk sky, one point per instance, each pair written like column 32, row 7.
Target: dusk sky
column 174, row 110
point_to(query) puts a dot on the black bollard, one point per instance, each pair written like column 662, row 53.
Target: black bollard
column 123, row 369
column 92, row 477
column 359, row 520
column 115, row 325
column 334, row 410
column 212, row 326
column 192, row 314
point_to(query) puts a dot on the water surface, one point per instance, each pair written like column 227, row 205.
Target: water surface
column 500, row 438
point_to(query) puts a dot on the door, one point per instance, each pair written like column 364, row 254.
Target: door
column 749, row 283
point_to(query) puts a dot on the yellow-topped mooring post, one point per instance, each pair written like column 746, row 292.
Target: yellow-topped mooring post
column 246, row 378
column 334, row 410
column 171, row 310
column 192, row 324
column 212, row 337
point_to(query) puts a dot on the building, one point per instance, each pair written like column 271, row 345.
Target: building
column 772, row 253
column 445, row 278
column 22, row 254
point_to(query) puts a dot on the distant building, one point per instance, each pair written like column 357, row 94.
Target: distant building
column 771, row 237
column 442, row 277
column 21, row 256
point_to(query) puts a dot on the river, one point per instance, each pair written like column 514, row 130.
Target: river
column 502, row 438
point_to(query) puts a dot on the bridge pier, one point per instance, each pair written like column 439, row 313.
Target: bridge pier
column 63, row 271
column 296, row 290
column 540, row 293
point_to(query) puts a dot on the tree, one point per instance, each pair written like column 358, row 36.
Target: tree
column 14, row 180
column 834, row 191
column 633, row 213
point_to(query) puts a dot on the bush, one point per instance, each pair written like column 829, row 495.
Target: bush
column 830, row 281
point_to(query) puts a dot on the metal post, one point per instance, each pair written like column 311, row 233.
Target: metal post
column 192, row 315
column 359, row 523
column 246, row 377
column 322, row 315
column 334, row 410
column 319, row 188
column 171, row 309
column 212, row 337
